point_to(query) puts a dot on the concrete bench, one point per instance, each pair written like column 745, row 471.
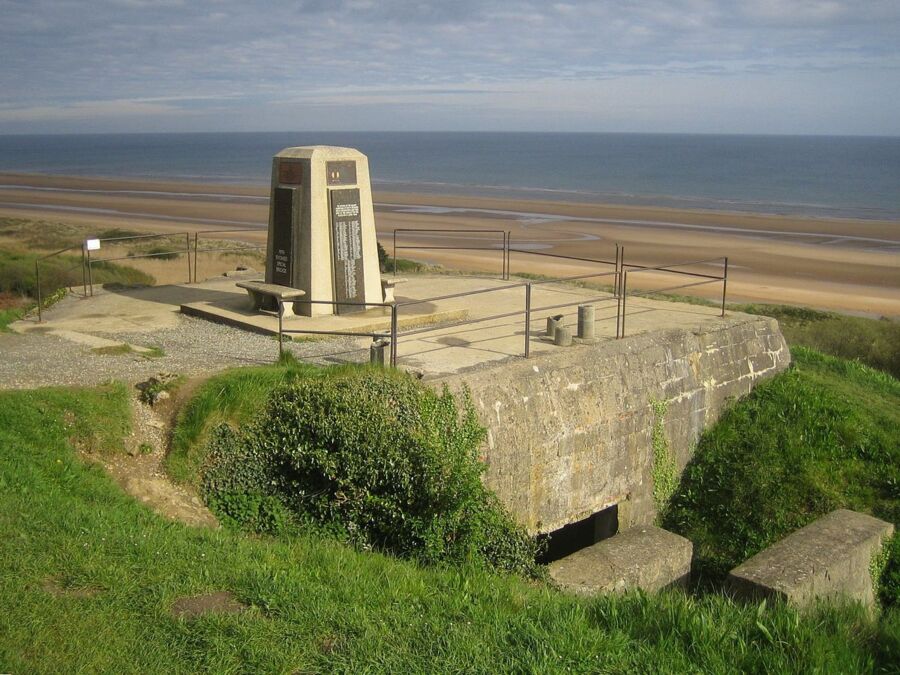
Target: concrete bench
column 260, row 291
column 829, row 558
column 387, row 289
column 644, row 557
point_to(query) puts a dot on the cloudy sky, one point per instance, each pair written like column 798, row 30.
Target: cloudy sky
column 708, row 66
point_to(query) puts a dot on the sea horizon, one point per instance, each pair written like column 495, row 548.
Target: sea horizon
column 808, row 175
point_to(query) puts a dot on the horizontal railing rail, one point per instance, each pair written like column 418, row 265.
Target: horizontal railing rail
column 503, row 250
column 669, row 268
column 246, row 247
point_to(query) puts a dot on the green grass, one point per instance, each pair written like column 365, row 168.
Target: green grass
column 234, row 396
column 315, row 606
column 824, row 435
column 875, row 342
column 7, row 316
column 17, row 273
column 124, row 349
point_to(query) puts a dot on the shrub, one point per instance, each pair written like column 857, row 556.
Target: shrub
column 376, row 456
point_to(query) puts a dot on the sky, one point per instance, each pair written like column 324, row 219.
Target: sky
column 691, row 66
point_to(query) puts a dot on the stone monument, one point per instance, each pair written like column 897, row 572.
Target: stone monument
column 322, row 229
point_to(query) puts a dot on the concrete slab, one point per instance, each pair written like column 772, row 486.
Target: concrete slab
column 827, row 559
column 447, row 348
column 646, row 558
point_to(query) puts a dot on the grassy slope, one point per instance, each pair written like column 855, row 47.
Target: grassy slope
column 824, row 435
column 318, row 606
column 875, row 342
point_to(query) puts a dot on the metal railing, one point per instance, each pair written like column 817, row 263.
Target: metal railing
column 394, row 334
column 503, row 249
column 134, row 256
column 670, row 269
column 198, row 250
column 37, row 275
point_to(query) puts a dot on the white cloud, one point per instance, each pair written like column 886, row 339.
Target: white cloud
column 68, row 55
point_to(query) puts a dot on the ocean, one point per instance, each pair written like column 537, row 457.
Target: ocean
column 825, row 176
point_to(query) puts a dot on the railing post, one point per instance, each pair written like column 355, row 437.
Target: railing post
column 527, row 320
column 196, row 242
column 280, row 338
column 624, row 295
column 83, row 272
column 37, row 285
column 724, row 285
column 620, row 266
column 394, row 335
column 394, row 254
column 508, row 259
column 90, row 273
column 187, row 252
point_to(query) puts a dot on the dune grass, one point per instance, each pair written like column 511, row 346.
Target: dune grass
column 90, row 577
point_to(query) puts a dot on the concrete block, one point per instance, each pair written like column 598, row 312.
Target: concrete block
column 827, row 559
column 646, row 558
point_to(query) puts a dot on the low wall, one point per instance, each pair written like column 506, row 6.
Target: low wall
column 828, row 559
column 569, row 433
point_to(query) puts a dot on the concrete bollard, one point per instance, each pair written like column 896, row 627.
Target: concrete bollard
column 586, row 322
column 552, row 323
column 563, row 337
column 376, row 351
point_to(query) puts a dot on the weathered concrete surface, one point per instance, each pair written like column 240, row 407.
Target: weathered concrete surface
column 646, row 558
column 569, row 431
column 827, row 559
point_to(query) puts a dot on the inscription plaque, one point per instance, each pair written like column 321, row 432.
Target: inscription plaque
column 340, row 173
column 290, row 173
column 282, row 236
column 346, row 242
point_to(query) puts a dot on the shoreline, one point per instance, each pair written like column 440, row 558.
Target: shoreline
column 829, row 263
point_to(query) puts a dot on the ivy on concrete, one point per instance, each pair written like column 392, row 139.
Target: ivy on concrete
column 663, row 470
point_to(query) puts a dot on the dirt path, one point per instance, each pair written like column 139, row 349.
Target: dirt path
column 139, row 470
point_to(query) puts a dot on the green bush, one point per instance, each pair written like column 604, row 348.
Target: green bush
column 380, row 458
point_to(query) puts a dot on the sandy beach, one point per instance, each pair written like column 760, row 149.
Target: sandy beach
column 836, row 264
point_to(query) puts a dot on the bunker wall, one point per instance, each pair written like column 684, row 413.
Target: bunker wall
column 570, row 433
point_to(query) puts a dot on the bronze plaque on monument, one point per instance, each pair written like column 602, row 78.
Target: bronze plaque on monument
column 346, row 242
column 290, row 173
column 282, row 236
column 340, row 173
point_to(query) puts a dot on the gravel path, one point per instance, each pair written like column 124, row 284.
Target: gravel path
column 193, row 347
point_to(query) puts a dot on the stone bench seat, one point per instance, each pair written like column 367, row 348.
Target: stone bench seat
column 643, row 557
column 260, row 292
column 387, row 289
column 827, row 559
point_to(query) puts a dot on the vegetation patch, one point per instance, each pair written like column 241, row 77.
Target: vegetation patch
column 664, row 472
column 824, row 435
column 374, row 456
column 232, row 397
column 125, row 348
column 315, row 606
column 17, row 273
column 388, row 264
column 159, row 387
column 874, row 342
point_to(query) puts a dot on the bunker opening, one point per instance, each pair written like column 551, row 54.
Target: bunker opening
column 578, row 535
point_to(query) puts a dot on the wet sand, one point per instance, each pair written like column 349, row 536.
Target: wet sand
column 838, row 264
